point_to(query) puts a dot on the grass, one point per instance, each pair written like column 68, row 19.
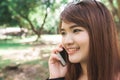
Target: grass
column 44, row 63
column 4, row 63
column 12, row 44
column 18, row 44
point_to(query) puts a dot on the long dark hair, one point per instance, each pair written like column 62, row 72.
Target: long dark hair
column 103, row 60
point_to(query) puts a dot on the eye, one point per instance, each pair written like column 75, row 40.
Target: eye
column 76, row 30
column 63, row 32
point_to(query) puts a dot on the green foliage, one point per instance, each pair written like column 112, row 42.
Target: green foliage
column 19, row 11
column 23, row 7
column 112, row 5
column 5, row 14
column 11, row 44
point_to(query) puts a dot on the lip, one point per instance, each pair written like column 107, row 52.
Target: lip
column 71, row 51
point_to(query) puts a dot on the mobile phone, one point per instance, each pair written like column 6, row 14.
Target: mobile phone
column 63, row 57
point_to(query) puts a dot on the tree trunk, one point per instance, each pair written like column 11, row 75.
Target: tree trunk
column 37, row 32
column 43, row 23
column 38, row 36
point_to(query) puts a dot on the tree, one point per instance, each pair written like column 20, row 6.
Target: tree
column 5, row 14
column 32, row 13
column 114, row 6
column 21, row 10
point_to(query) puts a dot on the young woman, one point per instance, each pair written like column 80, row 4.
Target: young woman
column 90, row 39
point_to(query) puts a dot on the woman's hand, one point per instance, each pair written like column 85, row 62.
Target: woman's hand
column 55, row 68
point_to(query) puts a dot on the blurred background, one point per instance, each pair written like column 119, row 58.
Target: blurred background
column 28, row 33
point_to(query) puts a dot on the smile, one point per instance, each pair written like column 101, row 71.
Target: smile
column 71, row 51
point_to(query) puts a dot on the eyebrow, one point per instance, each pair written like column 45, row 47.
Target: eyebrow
column 73, row 26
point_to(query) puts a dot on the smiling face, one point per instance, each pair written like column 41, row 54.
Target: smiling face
column 75, row 40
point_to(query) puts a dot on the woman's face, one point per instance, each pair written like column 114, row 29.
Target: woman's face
column 75, row 40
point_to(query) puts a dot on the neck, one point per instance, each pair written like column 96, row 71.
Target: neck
column 84, row 68
column 84, row 75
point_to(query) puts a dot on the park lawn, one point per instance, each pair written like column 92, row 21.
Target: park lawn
column 12, row 45
column 15, row 43
column 19, row 43
column 41, row 64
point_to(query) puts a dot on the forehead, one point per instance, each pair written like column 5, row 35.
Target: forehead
column 70, row 26
column 64, row 23
column 67, row 24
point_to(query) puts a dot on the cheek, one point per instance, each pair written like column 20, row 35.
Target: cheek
column 81, row 39
column 83, row 42
column 62, row 40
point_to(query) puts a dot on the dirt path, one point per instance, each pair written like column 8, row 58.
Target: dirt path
column 20, row 71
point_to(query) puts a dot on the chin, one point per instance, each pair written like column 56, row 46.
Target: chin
column 74, row 60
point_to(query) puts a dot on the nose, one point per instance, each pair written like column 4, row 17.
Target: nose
column 68, row 39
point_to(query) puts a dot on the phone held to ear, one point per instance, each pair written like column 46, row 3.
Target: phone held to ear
column 63, row 57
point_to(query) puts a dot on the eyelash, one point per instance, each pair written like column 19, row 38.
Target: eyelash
column 76, row 30
column 63, row 33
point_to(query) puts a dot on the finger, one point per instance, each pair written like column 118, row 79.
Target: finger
column 54, row 58
column 60, row 45
column 56, row 50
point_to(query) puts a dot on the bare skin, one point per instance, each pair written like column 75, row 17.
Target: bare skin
column 56, row 69
column 75, row 40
